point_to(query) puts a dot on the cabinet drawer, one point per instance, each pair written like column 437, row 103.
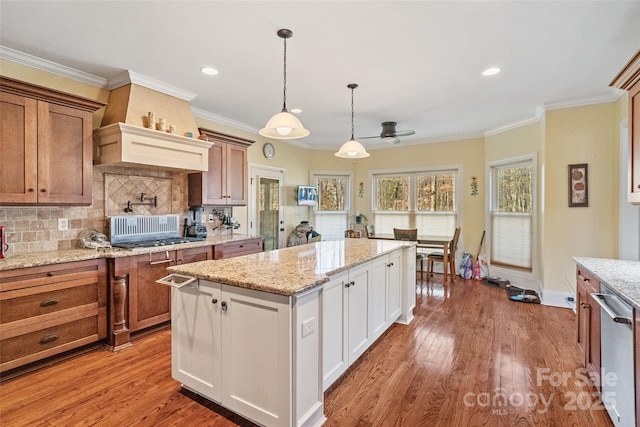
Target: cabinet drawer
column 587, row 280
column 21, row 349
column 243, row 247
column 38, row 301
column 49, row 274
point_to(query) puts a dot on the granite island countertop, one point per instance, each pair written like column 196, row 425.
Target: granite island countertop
column 35, row 259
column 622, row 277
column 292, row 270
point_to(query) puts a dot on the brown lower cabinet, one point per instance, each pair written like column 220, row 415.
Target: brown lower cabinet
column 239, row 248
column 48, row 310
column 588, row 321
column 137, row 301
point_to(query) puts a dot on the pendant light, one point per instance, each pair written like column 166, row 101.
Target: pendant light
column 352, row 149
column 284, row 125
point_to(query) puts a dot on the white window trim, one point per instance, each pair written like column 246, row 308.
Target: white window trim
column 457, row 168
column 525, row 279
column 349, row 203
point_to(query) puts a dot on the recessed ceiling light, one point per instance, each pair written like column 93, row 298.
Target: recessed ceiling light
column 209, row 71
column 491, row 71
column 296, row 110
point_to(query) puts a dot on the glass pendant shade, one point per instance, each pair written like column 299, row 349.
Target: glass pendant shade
column 284, row 125
column 352, row 150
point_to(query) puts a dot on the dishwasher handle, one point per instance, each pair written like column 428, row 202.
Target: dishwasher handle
column 600, row 299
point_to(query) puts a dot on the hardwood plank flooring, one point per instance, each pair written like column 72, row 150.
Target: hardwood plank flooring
column 470, row 357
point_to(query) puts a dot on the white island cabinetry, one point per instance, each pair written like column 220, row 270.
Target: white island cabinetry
column 265, row 334
column 227, row 340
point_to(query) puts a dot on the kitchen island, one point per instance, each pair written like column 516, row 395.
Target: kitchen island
column 265, row 334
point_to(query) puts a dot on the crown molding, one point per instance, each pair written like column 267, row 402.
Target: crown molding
column 51, row 67
column 537, row 116
column 222, row 120
column 610, row 95
column 128, row 76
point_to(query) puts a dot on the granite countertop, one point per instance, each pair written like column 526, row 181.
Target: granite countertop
column 69, row 255
column 623, row 277
column 293, row 270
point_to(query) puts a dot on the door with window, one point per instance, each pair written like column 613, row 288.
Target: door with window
column 267, row 218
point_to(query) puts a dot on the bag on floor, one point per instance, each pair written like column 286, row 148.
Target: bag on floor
column 466, row 266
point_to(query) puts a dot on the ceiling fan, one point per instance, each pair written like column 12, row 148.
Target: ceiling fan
column 390, row 134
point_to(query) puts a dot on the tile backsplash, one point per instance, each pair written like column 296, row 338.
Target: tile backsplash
column 35, row 228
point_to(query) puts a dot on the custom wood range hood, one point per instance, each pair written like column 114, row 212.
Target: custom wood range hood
column 125, row 139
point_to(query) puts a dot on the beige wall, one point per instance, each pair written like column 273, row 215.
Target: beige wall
column 589, row 135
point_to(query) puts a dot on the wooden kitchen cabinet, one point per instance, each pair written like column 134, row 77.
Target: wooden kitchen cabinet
column 238, row 248
column 225, row 183
column 137, row 301
column 588, row 321
column 629, row 79
column 48, row 310
column 46, row 146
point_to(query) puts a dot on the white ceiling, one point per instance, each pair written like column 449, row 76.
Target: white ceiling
column 416, row 62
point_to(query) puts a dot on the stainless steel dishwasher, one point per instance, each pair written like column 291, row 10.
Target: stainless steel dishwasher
column 617, row 372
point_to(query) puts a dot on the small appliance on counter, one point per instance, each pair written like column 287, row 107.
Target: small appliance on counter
column 93, row 239
column 196, row 227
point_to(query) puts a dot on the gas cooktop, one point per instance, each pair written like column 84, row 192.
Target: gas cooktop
column 157, row 242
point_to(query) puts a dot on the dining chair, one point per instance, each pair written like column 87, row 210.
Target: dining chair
column 411, row 234
column 439, row 257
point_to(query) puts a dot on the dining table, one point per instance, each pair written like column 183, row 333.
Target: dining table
column 428, row 241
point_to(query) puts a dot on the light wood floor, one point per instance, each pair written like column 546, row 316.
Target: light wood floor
column 471, row 357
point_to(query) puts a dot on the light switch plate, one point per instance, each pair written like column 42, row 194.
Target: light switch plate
column 63, row 224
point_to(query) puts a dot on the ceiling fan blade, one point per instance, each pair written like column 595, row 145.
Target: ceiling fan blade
column 405, row 132
column 368, row 137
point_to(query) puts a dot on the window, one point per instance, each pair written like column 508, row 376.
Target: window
column 512, row 200
column 425, row 200
column 332, row 211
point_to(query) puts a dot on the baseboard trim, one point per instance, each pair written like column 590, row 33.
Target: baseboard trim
column 558, row 299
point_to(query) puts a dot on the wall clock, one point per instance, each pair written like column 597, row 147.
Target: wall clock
column 268, row 150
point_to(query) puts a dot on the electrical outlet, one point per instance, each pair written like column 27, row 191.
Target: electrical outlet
column 308, row 327
column 63, row 224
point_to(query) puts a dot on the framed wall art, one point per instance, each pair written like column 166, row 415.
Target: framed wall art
column 578, row 186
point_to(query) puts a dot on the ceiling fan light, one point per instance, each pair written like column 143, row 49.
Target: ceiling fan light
column 280, row 123
column 352, row 150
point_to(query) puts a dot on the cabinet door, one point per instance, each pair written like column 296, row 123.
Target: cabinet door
column 335, row 360
column 256, row 361
column 582, row 333
column 394, row 286
column 634, row 144
column 195, row 338
column 149, row 302
column 358, row 303
column 378, row 314
column 236, row 184
column 592, row 348
column 18, row 145
column 65, row 168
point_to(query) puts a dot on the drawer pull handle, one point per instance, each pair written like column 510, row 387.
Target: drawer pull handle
column 48, row 339
column 49, row 302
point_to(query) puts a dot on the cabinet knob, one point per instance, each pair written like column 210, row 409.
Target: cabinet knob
column 213, row 301
column 346, row 285
column 352, row 283
column 224, row 305
column 44, row 190
column 31, row 190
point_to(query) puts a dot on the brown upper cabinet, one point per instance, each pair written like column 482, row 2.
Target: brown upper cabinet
column 225, row 184
column 629, row 79
column 46, row 144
